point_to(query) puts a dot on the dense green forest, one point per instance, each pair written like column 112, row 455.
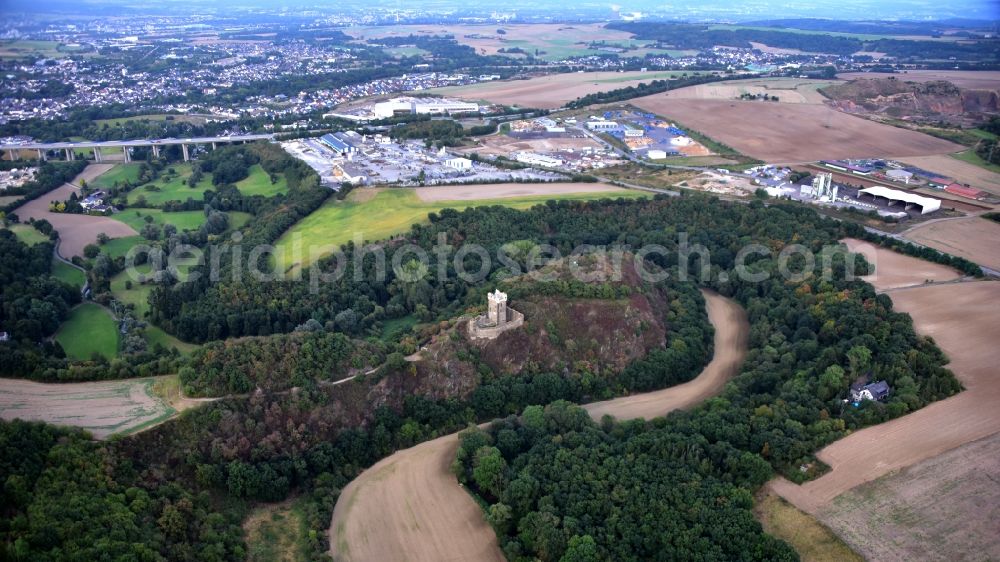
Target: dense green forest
column 987, row 150
column 703, row 36
column 203, row 311
column 865, row 27
column 182, row 488
column 303, row 358
column 36, row 304
column 32, row 304
column 695, row 36
column 446, row 132
column 547, row 476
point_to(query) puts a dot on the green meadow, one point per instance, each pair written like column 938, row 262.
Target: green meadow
column 174, row 186
column 387, row 213
column 183, row 220
column 199, row 119
column 121, row 173
column 170, row 187
column 89, row 329
column 138, row 296
column 259, row 183
column 27, row 234
column 971, row 157
column 68, row 274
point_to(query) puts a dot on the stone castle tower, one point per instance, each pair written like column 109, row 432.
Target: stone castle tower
column 497, row 311
column 498, row 318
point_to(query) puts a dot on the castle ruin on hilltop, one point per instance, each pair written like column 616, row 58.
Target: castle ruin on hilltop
column 498, row 318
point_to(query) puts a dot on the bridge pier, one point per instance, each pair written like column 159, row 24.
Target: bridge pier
column 70, row 155
column 127, row 157
column 41, row 155
column 156, row 151
column 98, row 157
column 184, row 149
column 213, row 146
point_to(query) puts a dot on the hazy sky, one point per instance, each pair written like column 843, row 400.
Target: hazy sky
column 680, row 9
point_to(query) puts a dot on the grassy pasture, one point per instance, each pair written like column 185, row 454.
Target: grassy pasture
column 170, row 187
column 120, row 173
column 810, row 538
column 174, row 187
column 89, row 329
column 27, row 234
column 387, row 213
column 183, row 220
column 275, row 532
column 259, row 183
column 22, row 48
column 970, row 157
column 115, row 122
column 68, row 274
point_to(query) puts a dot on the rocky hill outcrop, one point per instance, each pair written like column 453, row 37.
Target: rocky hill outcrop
column 933, row 101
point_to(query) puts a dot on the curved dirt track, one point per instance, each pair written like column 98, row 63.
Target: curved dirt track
column 731, row 333
column 409, row 506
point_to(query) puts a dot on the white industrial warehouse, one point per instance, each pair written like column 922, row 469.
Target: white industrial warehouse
column 422, row 106
column 406, row 106
column 927, row 204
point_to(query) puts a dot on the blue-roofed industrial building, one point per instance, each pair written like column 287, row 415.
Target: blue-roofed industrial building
column 338, row 144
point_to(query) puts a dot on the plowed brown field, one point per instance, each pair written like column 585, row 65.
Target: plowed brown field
column 788, row 133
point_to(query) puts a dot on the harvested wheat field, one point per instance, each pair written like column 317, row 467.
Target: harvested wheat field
column 409, row 506
column 974, row 79
column 788, row 90
column 75, row 231
column 962, row 172
column 102, row 408
column 894, row 270
column 552, row 91
column 506, row 190
column 961, row 317
column 793, row 133
column 973, row 238
column 944, row 508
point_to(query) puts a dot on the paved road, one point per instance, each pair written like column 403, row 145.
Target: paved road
column 139, row 142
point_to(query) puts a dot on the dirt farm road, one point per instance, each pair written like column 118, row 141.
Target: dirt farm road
column 961, row 319
column 730, row 350
column 409, row 506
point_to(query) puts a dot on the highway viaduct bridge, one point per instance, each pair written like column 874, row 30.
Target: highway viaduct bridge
column 43, row 148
